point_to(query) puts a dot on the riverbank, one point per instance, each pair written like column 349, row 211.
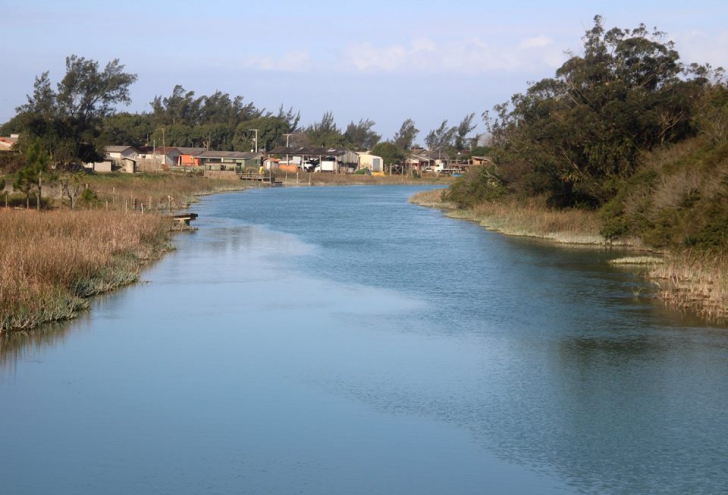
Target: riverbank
column 528, row 219
column 686, row 280
column 53, row 261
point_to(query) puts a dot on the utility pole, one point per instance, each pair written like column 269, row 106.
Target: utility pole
column 255, row 138
column 288, row 162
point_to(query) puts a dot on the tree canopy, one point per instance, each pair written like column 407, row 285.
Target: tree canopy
column 578, row 135
column 67, row 122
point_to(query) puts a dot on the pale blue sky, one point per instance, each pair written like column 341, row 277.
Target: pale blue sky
column 383, row 60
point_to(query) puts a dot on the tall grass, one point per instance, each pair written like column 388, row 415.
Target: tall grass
column 51, row 261
column 528, row 218
column 154, row 191
column 695, row 280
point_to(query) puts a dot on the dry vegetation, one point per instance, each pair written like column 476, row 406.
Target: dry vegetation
column 694, row 280
column 52, row 261
column 528, row 218
column 158, row 191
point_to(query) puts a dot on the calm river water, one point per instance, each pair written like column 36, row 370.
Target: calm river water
column 342, row 341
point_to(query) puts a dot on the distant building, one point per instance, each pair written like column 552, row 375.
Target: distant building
column 323, row 159
column 371, row 162
column 7, row 143
column 228, row 160
column 121, row 158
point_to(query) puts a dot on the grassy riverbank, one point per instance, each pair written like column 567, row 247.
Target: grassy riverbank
column 529, row 218
column 686, row 280
column 53, row 261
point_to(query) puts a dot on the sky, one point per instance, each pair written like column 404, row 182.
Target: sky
column 383, row 60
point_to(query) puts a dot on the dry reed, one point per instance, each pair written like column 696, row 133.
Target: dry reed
column 51, row 261
column 698, row 281
column 527, row 218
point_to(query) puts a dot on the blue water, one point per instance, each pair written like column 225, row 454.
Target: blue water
column 340, row 340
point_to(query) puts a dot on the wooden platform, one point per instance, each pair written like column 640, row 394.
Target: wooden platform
column 185, row 218
column 264, row 178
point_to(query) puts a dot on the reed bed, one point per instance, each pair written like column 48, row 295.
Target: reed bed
column 431, row 198
column 527, row 218
column 698, row 281
column 52, row 261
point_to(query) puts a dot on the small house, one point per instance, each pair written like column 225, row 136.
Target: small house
column 371, row 162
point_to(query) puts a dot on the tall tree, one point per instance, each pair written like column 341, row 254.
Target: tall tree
column 441, row 138
column 465, row 127
column 404, row 139
column 68, row 121
column 361, row 136
column 325, row 133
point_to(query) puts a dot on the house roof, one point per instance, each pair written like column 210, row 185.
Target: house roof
column 164, row 150
column 191, row 151
column 118, row 149
column 304, row 150
column 243, row 155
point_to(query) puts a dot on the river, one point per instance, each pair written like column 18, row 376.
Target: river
column 339, row 340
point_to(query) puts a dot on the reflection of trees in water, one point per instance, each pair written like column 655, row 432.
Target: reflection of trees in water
column 17, row 345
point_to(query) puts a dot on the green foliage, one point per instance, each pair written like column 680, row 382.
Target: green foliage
column 89, row 198
column 361, row 136
column 479, row 185
column 31, row 176
column 67, row 121
column 579, row 135
column 271, row 132
column 325, row 133
column 389, row 152
column 404, row 139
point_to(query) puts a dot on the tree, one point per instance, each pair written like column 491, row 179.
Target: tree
column 361, row 136
column 465, row 127
column 441, row 138
column 32, row 175
column 389, row 152
column 579, row 135
column 270, row 133
column 325, row 133
column 67, row 121
column 404, row 139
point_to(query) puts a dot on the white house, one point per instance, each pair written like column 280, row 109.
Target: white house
column 372, row 162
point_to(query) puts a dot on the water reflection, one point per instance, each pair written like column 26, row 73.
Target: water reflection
column 342, row 341
column 30, row 345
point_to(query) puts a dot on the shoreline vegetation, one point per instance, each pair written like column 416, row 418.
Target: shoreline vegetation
column 54, row 261
column 688, row 280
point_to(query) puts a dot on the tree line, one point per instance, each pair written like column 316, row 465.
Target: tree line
column 75, row 120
